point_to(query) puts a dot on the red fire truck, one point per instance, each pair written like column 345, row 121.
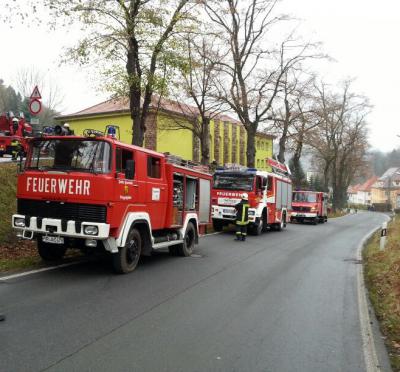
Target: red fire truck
column 13, row 134
column 309, row 206
column 270, row 196
column 94, row 191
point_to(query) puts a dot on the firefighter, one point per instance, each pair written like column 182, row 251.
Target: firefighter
column 242, row 217
column 15, row 149
column 15, row 126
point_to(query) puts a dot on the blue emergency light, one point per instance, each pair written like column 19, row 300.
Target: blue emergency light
column 111, row 131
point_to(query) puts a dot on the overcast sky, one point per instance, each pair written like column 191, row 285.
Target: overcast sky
column 362, row 36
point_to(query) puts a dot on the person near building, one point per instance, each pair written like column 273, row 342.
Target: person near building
column 242, row 217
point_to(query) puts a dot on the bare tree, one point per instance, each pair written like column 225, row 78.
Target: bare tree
column 251, row 78
column 340, row 143
column 29, row 77
column 128, row 42
column 197, row 87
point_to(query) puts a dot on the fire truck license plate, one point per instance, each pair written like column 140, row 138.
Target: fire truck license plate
column 53, row 239
column 227, row 211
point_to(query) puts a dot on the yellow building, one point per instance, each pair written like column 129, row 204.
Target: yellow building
column 167, row 131
column 386, row 190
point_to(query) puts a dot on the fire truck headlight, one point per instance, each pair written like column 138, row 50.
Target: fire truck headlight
column 313, row 209
column 252, row 213
column 19, row 222
column 91, row 230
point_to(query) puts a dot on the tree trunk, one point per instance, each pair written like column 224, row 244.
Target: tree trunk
column 205, row 141
column 283, row 139
column 134, row 106
column 251, row 148
column 282, row 146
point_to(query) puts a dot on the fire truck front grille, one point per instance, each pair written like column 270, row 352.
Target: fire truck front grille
column 59, row 210
column 301, row 209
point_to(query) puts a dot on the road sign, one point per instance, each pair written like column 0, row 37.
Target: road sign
column 35, row 106
column 36, row 93
column 34, row 121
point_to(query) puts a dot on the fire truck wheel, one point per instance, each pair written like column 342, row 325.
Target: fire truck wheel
column 127, row 258
column 265, row 222
column 257, row 228
column 50, row 252
column 186, row 248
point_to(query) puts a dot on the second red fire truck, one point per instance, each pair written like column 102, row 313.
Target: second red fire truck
column 270, row 196
column 94, row 191
column 309, row 206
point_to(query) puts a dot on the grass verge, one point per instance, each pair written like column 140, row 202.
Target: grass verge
column 8, row 202
column 14, row 254
column 336, row 214
column 382, row 276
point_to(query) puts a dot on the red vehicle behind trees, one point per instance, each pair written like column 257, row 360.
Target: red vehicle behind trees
column 270, row 196
column 13, row 134
column 309, row 206
column 95, row 191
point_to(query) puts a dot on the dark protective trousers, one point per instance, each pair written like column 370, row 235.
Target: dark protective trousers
column 241, row 231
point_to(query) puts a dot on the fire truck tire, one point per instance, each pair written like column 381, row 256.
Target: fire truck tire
column 265, row 221
column 314, row 221
column 257, row 228
column 218, row 225
column 127, row 258
column 50, row 252
column 186, row 248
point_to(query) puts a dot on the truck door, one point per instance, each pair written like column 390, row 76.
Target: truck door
column 127, row 190
column 271, row 199
column 156, row 191
column 259, row 188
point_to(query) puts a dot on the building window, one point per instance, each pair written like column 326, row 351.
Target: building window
column 153, row 167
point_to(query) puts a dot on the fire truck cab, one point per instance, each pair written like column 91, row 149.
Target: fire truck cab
column 270, row 197
column 309, row 206
column 95, row 191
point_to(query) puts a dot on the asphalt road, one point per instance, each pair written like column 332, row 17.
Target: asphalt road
column 284, row 301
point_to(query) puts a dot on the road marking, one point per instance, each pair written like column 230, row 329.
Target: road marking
column 31, row 272
column 214, row 233
column 370, row 356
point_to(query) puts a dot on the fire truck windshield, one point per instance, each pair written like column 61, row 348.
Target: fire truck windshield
column 70, row 155
column 304, row 197
column 234, row 181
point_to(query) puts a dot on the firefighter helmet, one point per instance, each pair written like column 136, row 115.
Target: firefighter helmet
column 245, row 196
column 15, row 120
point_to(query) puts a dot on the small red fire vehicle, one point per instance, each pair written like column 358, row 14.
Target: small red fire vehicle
column 309, row 206
column 13, row 134
column 270, row 196
column 94, row 191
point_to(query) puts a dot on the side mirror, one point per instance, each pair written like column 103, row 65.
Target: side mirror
column 130, row 169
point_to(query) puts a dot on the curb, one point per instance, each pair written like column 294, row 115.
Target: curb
column 371, row 358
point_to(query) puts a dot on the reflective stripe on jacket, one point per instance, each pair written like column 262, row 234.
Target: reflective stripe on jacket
column 242, row 212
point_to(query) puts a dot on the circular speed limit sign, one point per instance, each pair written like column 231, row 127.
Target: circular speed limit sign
column 35, row 106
